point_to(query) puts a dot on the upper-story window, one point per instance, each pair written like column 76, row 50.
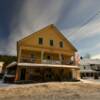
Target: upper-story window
column 51, row 43
column 40, row 41
column 61, row 44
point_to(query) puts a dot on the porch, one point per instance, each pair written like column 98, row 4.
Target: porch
column 46, row 72
column 46, row 57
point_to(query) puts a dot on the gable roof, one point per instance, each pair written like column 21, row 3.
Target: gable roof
column 64, row 37
column 57, row 31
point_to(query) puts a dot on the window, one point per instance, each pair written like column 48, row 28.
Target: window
column 61, row 44
column 84, row 67
column 40, row 41
column 51, row 42
column 48, row 57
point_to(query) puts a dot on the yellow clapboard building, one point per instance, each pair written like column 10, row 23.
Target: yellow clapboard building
column 46, row 55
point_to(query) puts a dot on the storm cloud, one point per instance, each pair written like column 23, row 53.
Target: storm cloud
column 72, row 17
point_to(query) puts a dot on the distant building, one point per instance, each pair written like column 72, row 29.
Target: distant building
column 90, row 68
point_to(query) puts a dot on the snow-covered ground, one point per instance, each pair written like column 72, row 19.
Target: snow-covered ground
column 5, row 84
column 9, row 85
column 51, row 91
column 90, row 81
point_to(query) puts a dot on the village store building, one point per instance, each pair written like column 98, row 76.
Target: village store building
column 46, row 55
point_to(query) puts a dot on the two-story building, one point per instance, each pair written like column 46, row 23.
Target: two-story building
column 46, row 55
column 90, row 68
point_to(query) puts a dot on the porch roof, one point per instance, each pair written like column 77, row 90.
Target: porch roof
column 11, row 64
column 48, row 65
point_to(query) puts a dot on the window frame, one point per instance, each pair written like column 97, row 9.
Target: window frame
column 61, row 44
column 40, row 41
column 51, row 42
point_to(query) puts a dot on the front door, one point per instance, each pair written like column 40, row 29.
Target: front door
column 22, row 75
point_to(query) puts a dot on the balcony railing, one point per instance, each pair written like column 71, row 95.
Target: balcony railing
column 30, row 60
column 51, row 61
column 44, row 61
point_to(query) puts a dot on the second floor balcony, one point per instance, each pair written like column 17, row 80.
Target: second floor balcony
column 45, row 61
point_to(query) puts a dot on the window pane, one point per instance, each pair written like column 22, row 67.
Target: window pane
column 40, row 41
column 51, row 42
column 61, row 44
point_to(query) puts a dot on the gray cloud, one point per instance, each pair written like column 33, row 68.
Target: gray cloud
column 68, row 15
column 33, row 16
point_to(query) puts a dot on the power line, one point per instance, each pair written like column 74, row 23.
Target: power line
column 86, row 22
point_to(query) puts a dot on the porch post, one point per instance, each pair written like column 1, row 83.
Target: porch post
column 73, row 74
column 60, row 58
column 78, row 74
column 17, row 74
column 19, row 54
column 42, row 53
column 76, row 59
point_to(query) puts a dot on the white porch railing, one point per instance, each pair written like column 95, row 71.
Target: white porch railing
column 51, row 61
column 44, row 61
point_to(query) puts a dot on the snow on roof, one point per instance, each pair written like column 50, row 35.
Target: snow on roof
column 12, row 64
column 47, row 65
column 89, row 61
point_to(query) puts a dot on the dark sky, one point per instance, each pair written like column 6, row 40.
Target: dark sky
column 19, row 18
column 8, row 8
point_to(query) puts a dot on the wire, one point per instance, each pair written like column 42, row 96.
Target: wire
column 86, row 22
